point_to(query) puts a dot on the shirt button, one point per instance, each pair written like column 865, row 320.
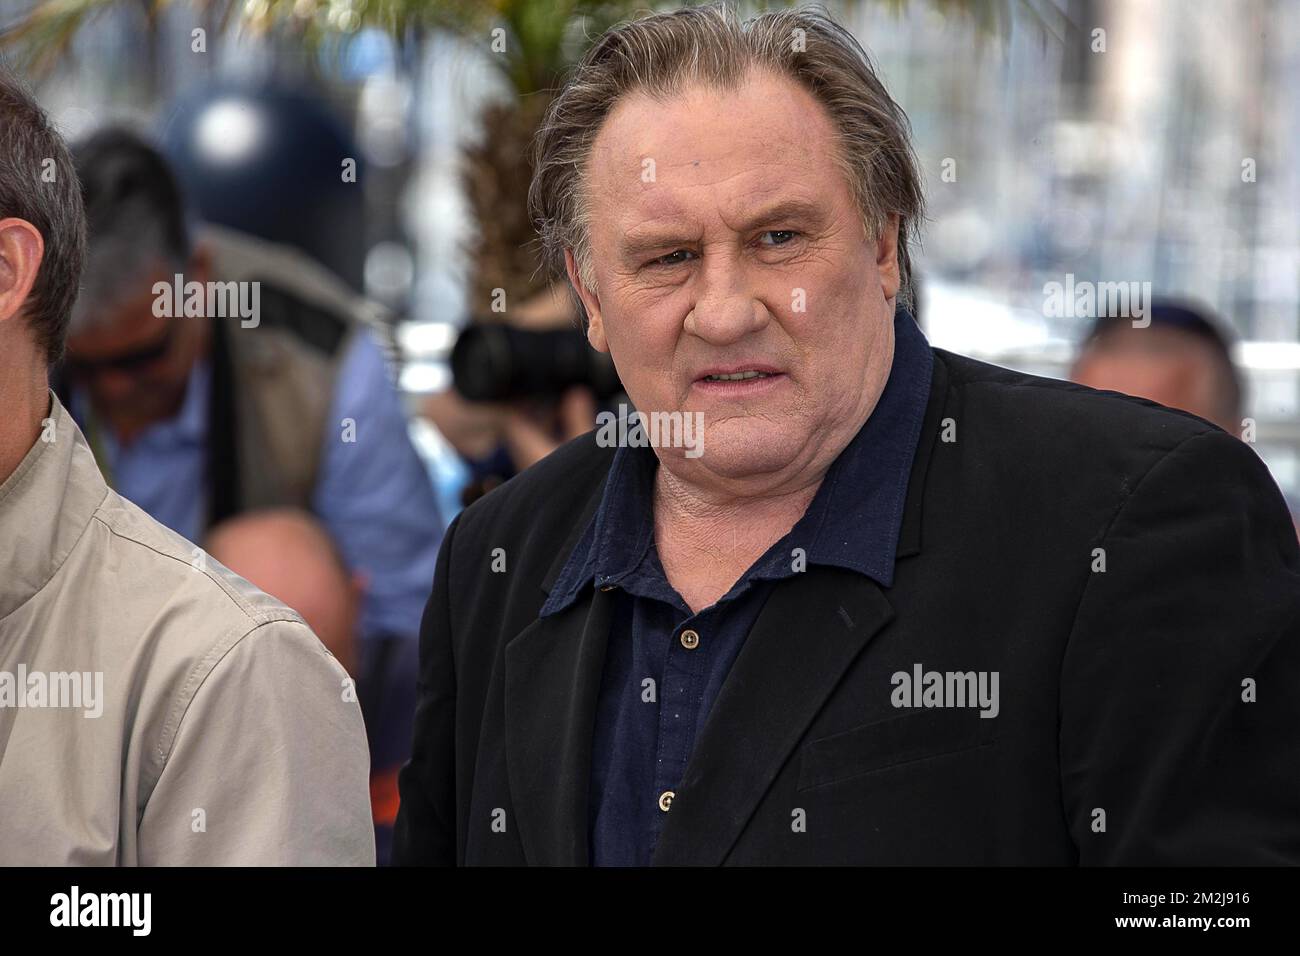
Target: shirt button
column 666, row 800
column 690, row 640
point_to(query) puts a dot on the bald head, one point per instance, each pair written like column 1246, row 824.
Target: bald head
column 1167, row 365
column 289, row 555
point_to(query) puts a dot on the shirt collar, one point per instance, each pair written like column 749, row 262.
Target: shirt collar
column 45, row 505
column 853, row 521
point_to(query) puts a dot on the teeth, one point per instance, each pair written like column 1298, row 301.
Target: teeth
column 736, row 376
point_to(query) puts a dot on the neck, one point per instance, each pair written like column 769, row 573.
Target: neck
column 25, row 398
column 692, row 521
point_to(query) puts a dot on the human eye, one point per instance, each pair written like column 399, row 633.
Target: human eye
column 782, row 236
column 671, row 259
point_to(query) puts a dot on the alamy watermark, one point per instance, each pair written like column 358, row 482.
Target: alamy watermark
column 656, row 430
column 71, row 690
column 922, row 688
column 221, row 300
column 1088, row 300
column 75, row 908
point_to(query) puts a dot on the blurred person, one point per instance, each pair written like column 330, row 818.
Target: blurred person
column 497, row 440
column 287, row 554
column 155, row 709
column 1181, row 360
column 902, row 606
column 199, row 417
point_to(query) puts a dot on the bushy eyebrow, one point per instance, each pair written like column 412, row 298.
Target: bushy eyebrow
column 785, row 212
column 799, row 212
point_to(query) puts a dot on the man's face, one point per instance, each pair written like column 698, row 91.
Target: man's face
column 134, row 364
column 725, row 238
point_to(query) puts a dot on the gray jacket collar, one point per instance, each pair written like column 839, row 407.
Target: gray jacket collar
column 45, row 506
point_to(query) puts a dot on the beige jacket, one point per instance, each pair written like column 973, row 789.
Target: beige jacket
column 156, row 709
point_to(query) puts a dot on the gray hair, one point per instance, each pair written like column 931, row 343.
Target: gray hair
column 38, row 184
column 663, row 53
column 136, row 217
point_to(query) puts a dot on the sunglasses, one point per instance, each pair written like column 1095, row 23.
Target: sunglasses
column 131, row 363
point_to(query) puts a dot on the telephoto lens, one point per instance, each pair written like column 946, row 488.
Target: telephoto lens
column 494, row 363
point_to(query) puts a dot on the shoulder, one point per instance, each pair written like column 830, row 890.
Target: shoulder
column 171, row 604
column 184, row 578
column 170, row 621
column 1037, row 416
column 541, row 502
column 1054, row 447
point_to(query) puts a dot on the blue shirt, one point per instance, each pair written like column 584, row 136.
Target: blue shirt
column 656, row 688
column 372, row 495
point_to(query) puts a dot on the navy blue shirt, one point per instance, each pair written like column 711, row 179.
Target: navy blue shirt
column 665, row 665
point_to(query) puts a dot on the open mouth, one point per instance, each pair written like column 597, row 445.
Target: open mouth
column 737, row 376
column 742, row 383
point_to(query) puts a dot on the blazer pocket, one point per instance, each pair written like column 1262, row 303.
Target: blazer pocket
column 913, row 736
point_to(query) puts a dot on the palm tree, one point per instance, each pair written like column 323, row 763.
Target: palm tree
column 538, row 39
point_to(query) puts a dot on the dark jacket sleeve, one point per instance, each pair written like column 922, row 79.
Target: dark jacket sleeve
column 1196, row 613
column 425, row 831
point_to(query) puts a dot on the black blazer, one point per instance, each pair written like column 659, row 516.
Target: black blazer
column 1123, row 735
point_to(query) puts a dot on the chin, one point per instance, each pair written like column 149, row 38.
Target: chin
column 742, row 447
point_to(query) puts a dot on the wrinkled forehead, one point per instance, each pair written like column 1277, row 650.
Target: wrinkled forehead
column 704, row 148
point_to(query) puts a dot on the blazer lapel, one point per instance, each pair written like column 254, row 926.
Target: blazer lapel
column 811, row 628
column 552, row 680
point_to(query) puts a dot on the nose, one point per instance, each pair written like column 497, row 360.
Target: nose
column 726, row 309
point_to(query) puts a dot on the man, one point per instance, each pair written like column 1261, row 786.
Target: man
column 279, row 398
column 1181, row 360
column 905, row 607
column 154, row 708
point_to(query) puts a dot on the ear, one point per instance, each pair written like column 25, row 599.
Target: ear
column 21, row 249
column 595, row 322
column 887, row 258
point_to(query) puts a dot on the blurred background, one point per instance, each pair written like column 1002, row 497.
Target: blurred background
column 1134, row 140
column 1066, row 145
